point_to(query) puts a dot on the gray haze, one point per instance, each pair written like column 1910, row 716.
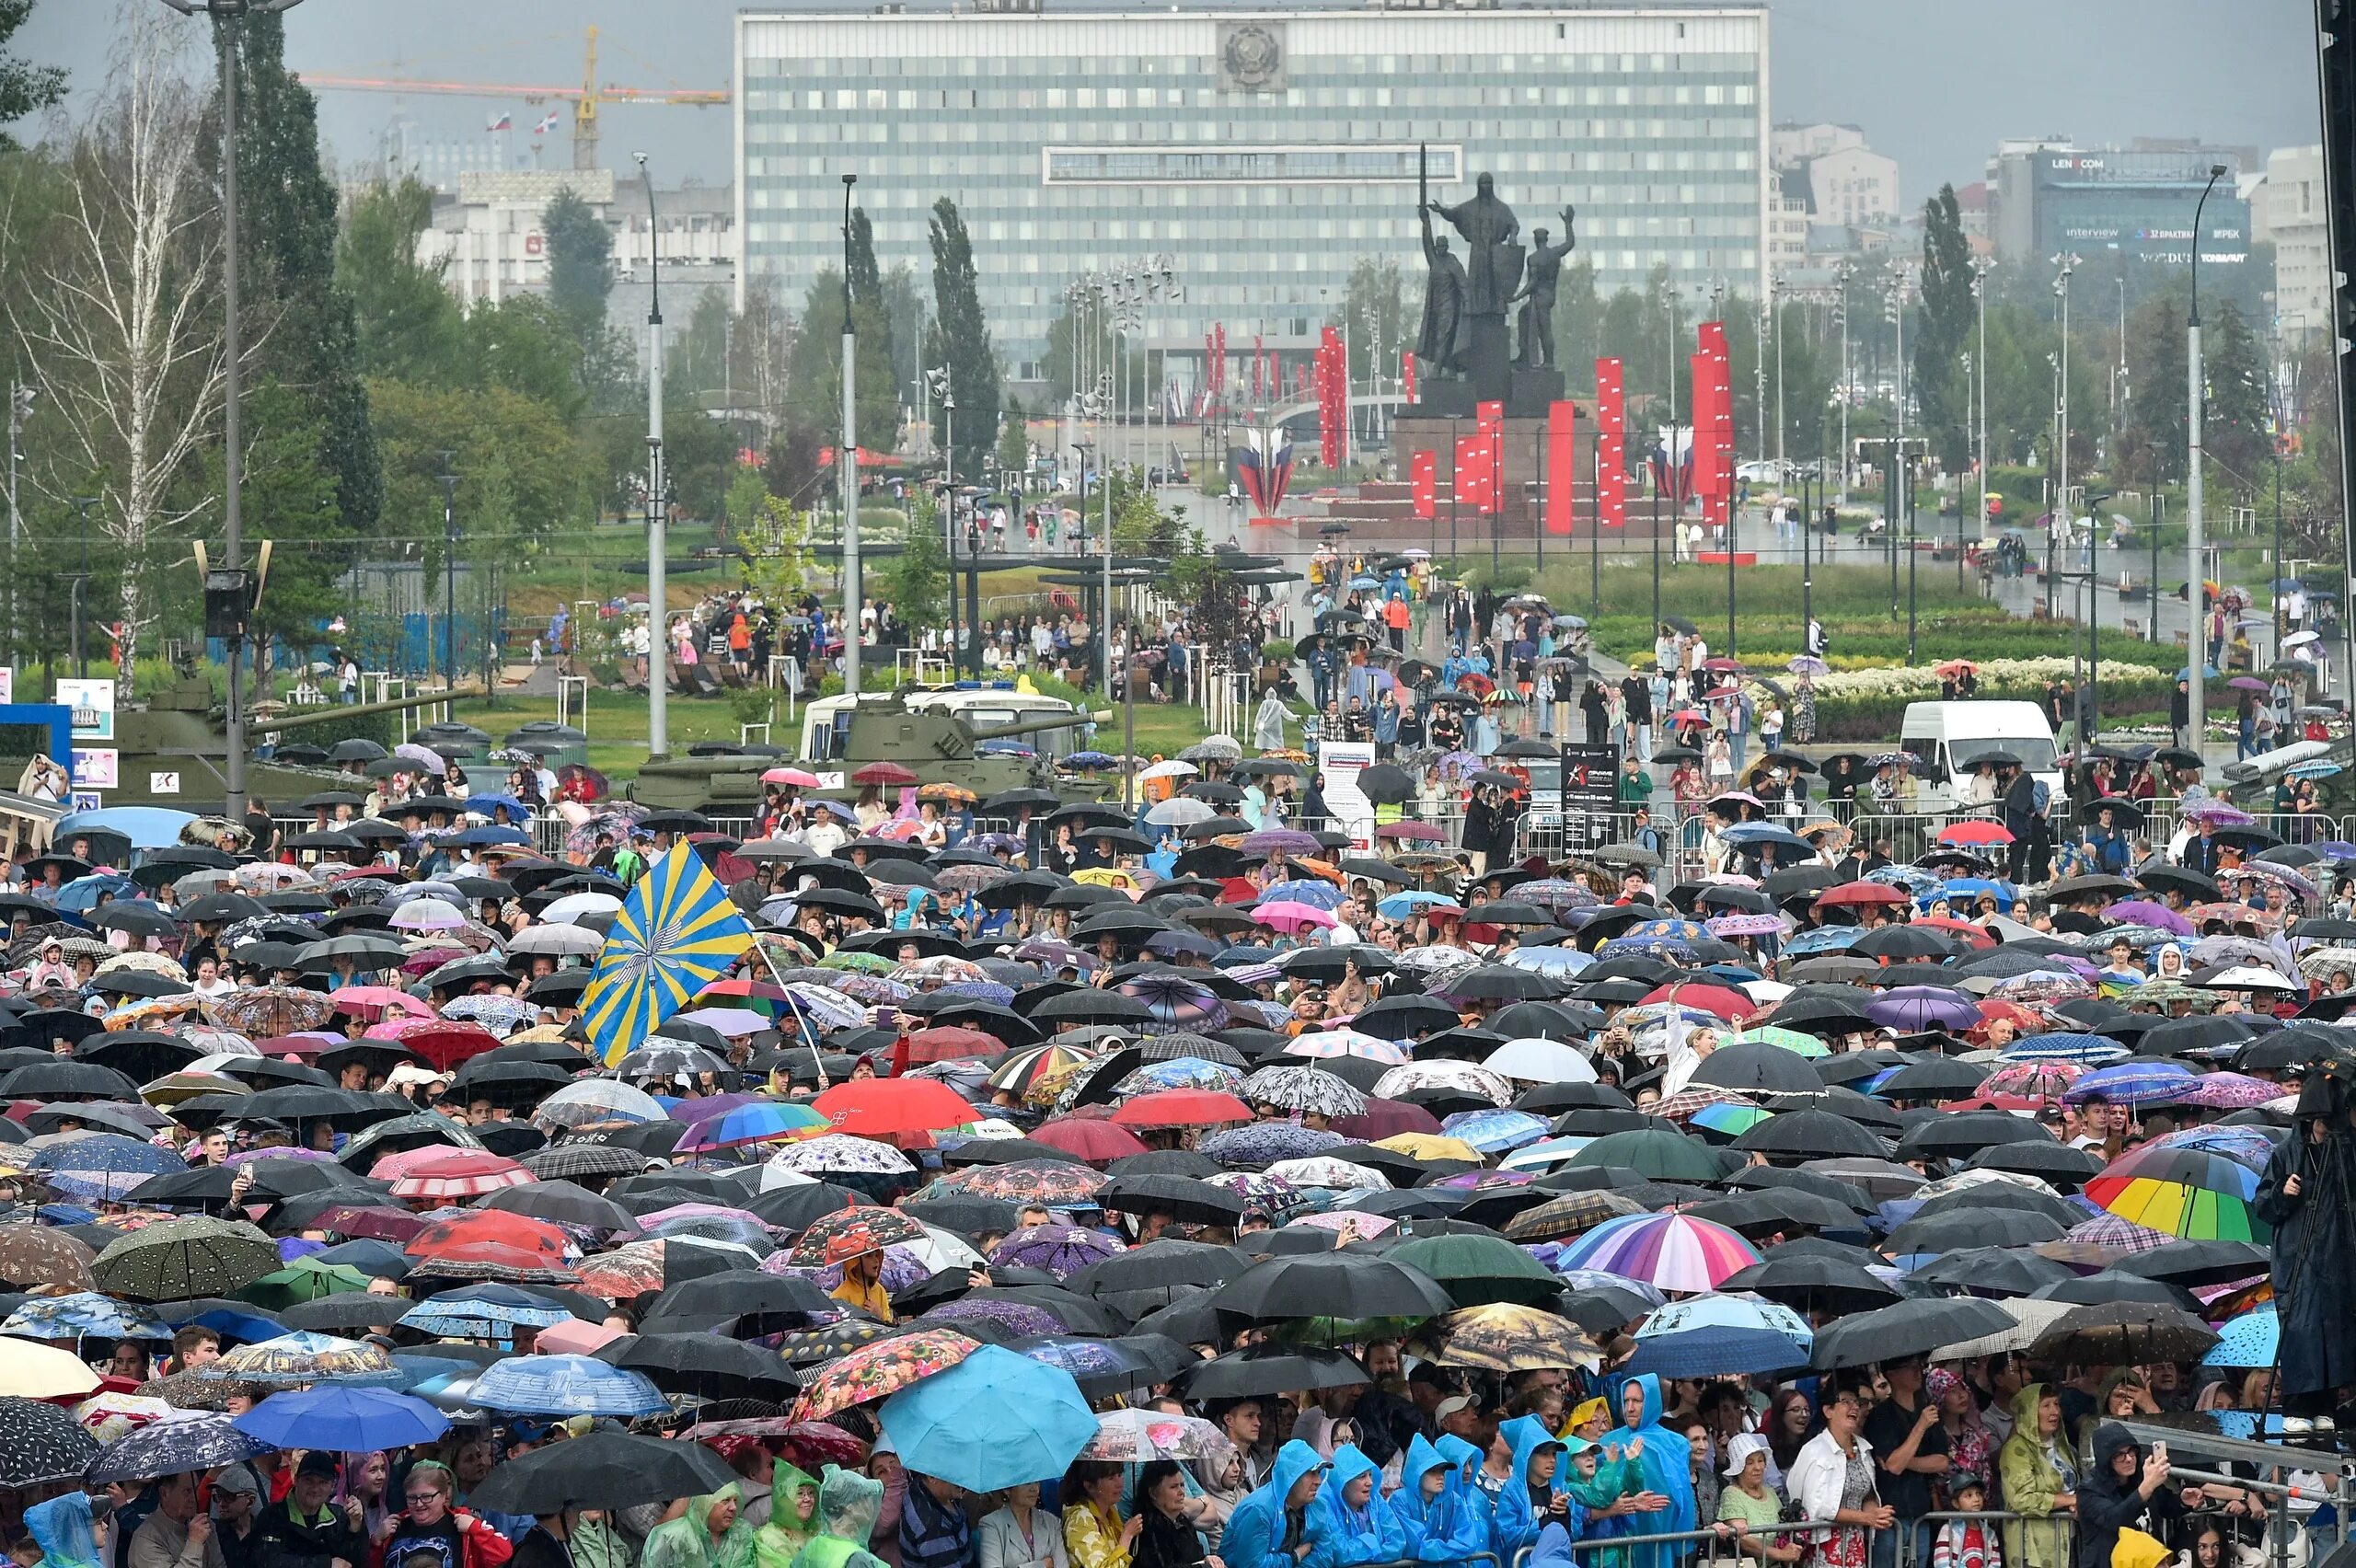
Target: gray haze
column 1933, row 85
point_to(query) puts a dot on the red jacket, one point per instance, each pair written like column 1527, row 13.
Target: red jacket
column 480, row 1546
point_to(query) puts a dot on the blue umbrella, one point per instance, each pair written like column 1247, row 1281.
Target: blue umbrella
column 147, row 827
column 2251, row 1339
column 1404, row 906
column 1304, row 890
column 2064, row 1045
column 1972, row 887
column 483, row 1312
column 1754, row 835
column 2132, row 1083
column 82, row 894
column 84, row 1312
column 1492, row 1131
column 1914, row 879
column 566, row 1385
column 1822, row 940
column 345, row 1420
column 486, row 805
column 487, row 834
column 174, row 1447
column 1710, row 1335
column 995, row 1419
column 1560, row 962
column 103, row 1165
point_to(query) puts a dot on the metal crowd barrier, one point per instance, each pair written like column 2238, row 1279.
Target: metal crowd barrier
column 1910, row 1532
column 1714, row 1542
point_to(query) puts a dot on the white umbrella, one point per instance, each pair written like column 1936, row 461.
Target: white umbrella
column 557, row 941
column 574, row 907
column 1534, row 1060
column 1173, row 768
column 2247, row 978
column 1179, row 810
column 2300, row 639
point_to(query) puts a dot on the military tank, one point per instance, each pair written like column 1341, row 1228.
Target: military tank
column 938, row 747
column 178, row 738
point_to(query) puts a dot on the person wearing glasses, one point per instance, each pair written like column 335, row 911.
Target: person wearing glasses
column 431, row 1528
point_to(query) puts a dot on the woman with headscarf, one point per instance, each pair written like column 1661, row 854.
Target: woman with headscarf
column 794, row 1516
column 1971, row 1448
column 2040, row 1479
column 1220, row 1482
column 708, row 1535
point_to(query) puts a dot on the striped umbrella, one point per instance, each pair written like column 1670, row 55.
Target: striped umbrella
column 2082, row 1050
column 677, row 932
column 2194, row 1189
column 1673, row 1251
column 1019, row 1071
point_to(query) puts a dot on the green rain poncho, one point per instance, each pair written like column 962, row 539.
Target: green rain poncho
column 1612, row 1480
column 688, row 1541
column 849, row 1504
column 778, row 1542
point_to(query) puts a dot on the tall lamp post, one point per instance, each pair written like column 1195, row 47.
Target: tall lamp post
column 847, row 465
column 1841, row 275
column 2060, row 528
column 2195, row 595
column 449, row 483
column 658, row 589
column 233, row 563
column 1980, row 267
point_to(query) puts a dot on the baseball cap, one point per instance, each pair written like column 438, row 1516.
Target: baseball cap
column 238, row 1477
column 319, row 1461
column 1450, row 1405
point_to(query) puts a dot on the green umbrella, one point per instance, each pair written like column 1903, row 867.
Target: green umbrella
column 1476, row 1269
column 1789, row 1039
column 178, row 1258
column 304, row 1279
column 1655, row 1154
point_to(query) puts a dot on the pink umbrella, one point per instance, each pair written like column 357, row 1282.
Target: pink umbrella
column 379, row 999
column 1289, row 917
column 801, row 778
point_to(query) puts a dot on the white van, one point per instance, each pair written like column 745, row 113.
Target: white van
column 826, row 721
column 1947, row 739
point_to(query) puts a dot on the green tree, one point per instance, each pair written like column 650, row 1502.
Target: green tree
column 288, row 226
column 698, row 361
column 489, row 429
column 1374, row 315
column 904, row 308
column 409, row 325
column 24, row 86
column 580, row 263
column 1089, row 334
column 1579, row 322
column 523, row 345
column 699, row 456
column 1942, row 328
column 961, row 340
column 489, row 539
column 775, row 550
column 916, row 582
column 2236, row 429
column 816, row 372
column 1014, row 439
column 2150, row 450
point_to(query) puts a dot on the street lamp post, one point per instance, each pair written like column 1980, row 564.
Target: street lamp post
column 2195, row 595
column 449, row 483
column 847, row 465
column 658, row 588
column 1980, row 267
column 2060, row 528
column 80, row 594
column 233, row 563
column 1841, row 274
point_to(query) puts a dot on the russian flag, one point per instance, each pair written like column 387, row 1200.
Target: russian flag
column 503, row 122
column 1673, row 474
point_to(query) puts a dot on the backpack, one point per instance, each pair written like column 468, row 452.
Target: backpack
column 2040, row 796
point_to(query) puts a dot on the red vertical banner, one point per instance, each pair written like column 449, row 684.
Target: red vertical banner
column 1423, row 476
column 1329, row 392
column 1610, row 446
column 1561, row 463
column 1492, row 417
column 1407, row 372
column 1259, row 365
column 1472, row 477
column 1714, row 425
column 1218, row 362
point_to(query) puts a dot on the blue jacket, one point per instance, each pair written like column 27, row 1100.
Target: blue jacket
column 1448, row 1528
column 1353, row 1536
column 1665, row 1466
column 1254, row 1536
column 1516, row 1524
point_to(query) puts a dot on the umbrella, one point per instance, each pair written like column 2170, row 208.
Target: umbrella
column 2123, row 1333
column 343, row 1419
column 1716, row 1336
column 1260, row 1370
column 43, row 1372
column 2184, row 1187
column 879, row 1370
column 1810, row 1283
column 174, row 1447
column 1304, row 1090
column 1507, row 1338
column 181, row 1258
column 1674, row 1252
column 603, row 1470
column 2254, row 1339
column 677, row 932
column 995, row 1419
column 71, row 1317
column 36, row 1254
column 1132, row 1437
column 1331, row 1284
column 41, row 1445
column 1914, row 1326
column 565, row 1384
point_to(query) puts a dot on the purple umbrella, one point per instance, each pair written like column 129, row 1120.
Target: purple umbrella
column 2335, row 849
column 1279, row 841
column 1014, row 1317
column 1175, row 1001
column 2132, row 1083
column 1061, row 1250
column 2144, row 912
column 1924, row 1007
column 2231, row 1091
column 2217, row 812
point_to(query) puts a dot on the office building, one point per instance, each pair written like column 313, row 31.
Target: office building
column 1262, row 152
column 2047, row 196
column 2290, row 203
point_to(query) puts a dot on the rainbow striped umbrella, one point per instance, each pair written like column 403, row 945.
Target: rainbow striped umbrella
column 1673, row 1251
column 2202, row 1192
column 677, row 932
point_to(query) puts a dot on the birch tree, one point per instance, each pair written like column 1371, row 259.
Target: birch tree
column 124, row 335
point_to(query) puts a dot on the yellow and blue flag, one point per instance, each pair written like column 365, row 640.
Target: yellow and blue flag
column 677, row 932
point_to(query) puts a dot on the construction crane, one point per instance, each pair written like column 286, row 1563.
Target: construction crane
column 587, row 100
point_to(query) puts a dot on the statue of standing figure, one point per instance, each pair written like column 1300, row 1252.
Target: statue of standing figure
column 1439, row 341
column 1491, row 259
column 1537, row 296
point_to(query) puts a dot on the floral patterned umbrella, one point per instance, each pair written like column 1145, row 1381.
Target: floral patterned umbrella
column 2034, row 1080
column 1181, row 1072
column 1265, row 1143
column 1306, row 1091
column 879, row 1370
column 877, row 1227
column 1061, row 1250
column 1271, row 1192
column 266, row 1010
column 635, row 1268
column 1060, row 1185
column 832, row 1152
column 1133, row 1436
column 1325, row 1171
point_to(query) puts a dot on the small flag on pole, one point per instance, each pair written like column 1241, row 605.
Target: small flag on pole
column 677, row 932
column 546, row 124
column 503, row 121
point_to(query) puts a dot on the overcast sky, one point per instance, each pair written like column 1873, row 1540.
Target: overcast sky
column 1933, row 84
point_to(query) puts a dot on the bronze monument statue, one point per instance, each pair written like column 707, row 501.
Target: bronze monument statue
column 1440, row 339
column 1491, row 259
column 1537, row 296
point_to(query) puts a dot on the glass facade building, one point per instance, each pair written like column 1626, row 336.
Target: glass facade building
column 1262, row 152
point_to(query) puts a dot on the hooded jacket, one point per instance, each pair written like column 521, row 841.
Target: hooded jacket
column 2109, row 1502
column 1352, row 1536
column 1665, row 1466
column 1516, row 1523
column 848, row 1505
column 62, row 1527
column 1256, row 1530
column 777, row 1543
column 2032, row 1480
column 688, row 1541
column 1613, row 1480
column 1451, row 1526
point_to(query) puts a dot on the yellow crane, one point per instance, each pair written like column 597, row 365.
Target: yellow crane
column 587, row 100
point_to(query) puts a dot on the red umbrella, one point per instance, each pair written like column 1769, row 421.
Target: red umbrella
column 1954, row 667
column 1415, row 830
column 1093, row 1138
column 1975, row 833
column 1386, row 1118
column 1860, row 893
column 1724, row 1001
column 1955, row 928
column 894, row 1108
column 371, row 1222
column 475, row 1228
column 882, row 772
column 949, row 1042
column 1183, row 1108
column 443, row 1047
column 1728, row 665
column 452, row 1174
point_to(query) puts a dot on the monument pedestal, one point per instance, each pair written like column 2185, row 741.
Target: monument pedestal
column 1533, row 391
column 1488, row 359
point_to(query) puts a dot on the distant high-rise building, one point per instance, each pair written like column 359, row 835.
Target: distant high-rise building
column 2291, row 203
column 2047, row 196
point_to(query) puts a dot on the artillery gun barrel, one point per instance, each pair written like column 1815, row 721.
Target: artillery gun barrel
column 366, row 710
column 1039, row 725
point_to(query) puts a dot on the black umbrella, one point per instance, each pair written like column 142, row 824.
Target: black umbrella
column 604, row 1469
column 757, row 1303
column 1755, row 1066
column 1795, row 1136
column 347, row 1312
column 2194, row 1263
column 2109, row 1285
column 41, row 1445
column 1184, row 1198
column 1933, row 1078
column 561, row 1202
column 1809, row 1283
column 1498, row 982
column 2056, row 1162
column 1605, row 1309
column 1909, row 1328
column 2123, row 1333
column 1274, row 1369
column 1968, row 1132
column 1972, row 1228
column 1333, row 1284
column 174, row 1447
column 1993, row 1271
column 706, row 1366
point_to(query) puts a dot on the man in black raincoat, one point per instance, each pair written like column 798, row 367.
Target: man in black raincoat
column 2303, row 1194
